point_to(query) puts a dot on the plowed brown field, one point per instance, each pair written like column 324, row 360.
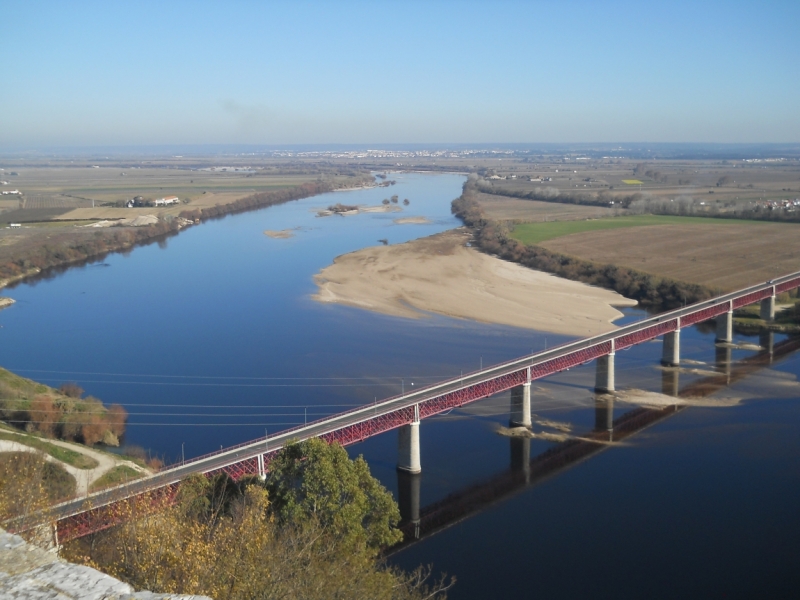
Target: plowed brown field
column 722, row 258
column 505, row 208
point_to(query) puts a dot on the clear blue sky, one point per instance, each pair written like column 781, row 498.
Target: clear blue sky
column 193, row 72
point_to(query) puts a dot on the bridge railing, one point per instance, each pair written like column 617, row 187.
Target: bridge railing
column 627, row 336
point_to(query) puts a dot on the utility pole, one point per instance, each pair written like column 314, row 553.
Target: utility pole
column 183, row 456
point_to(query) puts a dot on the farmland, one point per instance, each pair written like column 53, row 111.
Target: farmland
column 505, row 208
column 92, row 192
column 536, row 233
column 721, row 255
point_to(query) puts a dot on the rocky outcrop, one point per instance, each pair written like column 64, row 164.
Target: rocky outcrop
column 30, row 573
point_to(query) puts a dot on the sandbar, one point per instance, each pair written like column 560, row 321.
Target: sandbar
column 279, row 235
column 411, row 221
column 441, row 274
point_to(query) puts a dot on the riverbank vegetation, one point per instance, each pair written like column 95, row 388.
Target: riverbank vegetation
column 56, row 250
column 495, row 238
column 747, row 320
column 63, row 414
column 314, row 529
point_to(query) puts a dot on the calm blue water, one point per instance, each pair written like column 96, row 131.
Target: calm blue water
column 211, row 337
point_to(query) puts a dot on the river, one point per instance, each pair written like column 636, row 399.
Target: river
column 210, row 337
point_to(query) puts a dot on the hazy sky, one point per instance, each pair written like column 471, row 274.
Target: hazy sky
column 172, row 72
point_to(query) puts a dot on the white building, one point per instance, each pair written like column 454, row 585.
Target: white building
column 166, row 201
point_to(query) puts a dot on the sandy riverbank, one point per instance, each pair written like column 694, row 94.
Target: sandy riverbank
column 440, row 274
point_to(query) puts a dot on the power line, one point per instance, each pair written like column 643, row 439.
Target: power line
column 157, row 414
column 221, row 376
column 249, row 385
column 227, row 406
column 270, row 424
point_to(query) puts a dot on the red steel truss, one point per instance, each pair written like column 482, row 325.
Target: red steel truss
column 787, row 285
column 361, row 424
column 644, row 335
column 104, row 517
column 704, row 314
column 751, row 298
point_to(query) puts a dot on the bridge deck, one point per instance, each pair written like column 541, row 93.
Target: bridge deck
column 358, row 424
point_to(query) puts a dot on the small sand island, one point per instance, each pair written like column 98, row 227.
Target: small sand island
column 347, row 210
column 411, row 221
column 4, row 301
column 440, row 274
column 283, row 234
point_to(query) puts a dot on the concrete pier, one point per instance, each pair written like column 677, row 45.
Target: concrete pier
column 604, row 378
column 725, row 327
column 521, row 405
column 671, row 352
column 521, row 456
column 408, row 487
column 408, row 445
column 768, row 309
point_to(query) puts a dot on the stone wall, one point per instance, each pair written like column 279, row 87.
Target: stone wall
column 30, row 573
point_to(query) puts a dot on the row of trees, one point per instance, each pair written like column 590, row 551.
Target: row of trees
column 52, row 256
column 62, row 414
column 493, row 237
column 314, row 529
column 551, row 194
column 690, row 206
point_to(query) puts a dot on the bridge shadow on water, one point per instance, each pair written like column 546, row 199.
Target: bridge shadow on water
column 418, row 523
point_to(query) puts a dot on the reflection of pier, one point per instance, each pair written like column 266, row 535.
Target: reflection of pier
column 418, row 523
column 404, row 412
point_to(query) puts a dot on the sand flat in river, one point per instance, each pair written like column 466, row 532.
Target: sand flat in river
column 439, row 274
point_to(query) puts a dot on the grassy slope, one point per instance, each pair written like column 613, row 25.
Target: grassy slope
column 65, row 455
column 535, row 233
column 117, row 475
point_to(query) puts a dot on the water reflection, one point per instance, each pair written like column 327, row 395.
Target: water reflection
column 418, row 523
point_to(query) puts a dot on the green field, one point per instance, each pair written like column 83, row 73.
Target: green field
column 535, row 233
column 117, row 475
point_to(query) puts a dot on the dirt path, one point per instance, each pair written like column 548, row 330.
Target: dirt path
column 83, row 477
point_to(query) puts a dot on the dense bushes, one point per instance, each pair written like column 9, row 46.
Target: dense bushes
column 648, row 290
column 35, row 407
column 313, row 530
column 551, row 194
column 259, row 200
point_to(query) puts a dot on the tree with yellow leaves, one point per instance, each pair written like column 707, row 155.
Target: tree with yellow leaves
column 313, row 530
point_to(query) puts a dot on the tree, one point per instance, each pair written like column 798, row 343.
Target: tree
column 724, row 180
column 71, row 389
column 45, row 415
column 220, row 539
column 116, row 417
column 316, row 481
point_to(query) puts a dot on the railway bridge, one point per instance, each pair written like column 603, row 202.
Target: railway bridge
column 404, row 412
